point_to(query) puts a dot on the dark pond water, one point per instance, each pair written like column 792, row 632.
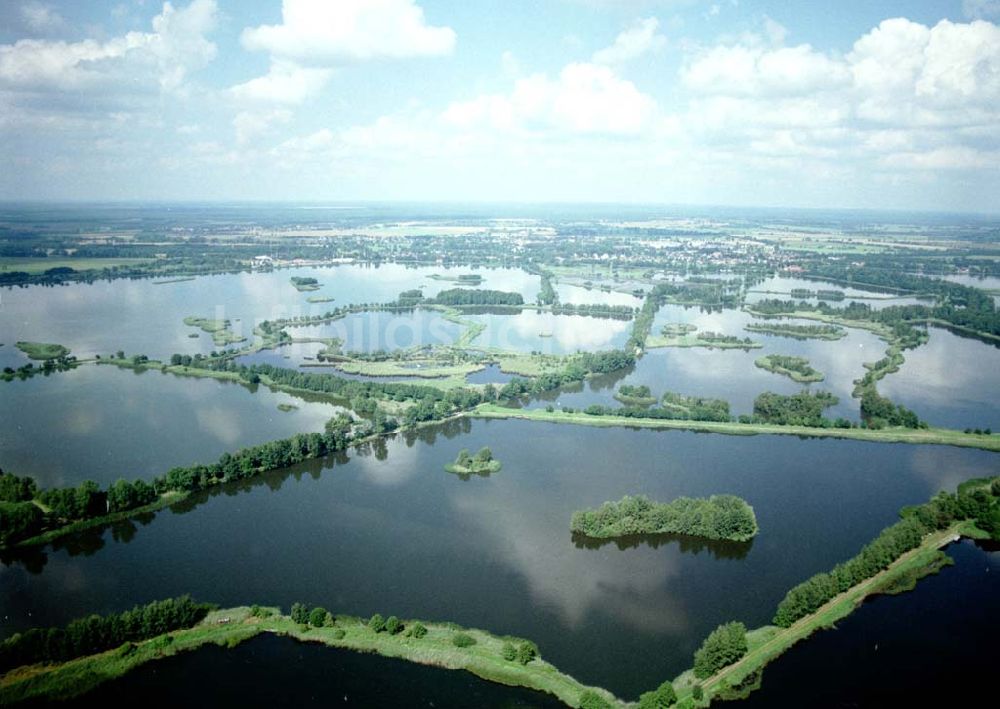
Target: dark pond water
column 951, row 381
column 386, row 530
column 99, row 422
column 270, row 671
column 930, row 647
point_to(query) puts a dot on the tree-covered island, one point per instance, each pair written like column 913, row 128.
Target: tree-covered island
column 482, row 463
column 717, row 517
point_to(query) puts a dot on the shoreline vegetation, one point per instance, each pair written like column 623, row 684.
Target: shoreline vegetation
column 686, row 335
column 42, row 350
column 728, row 665
column 502, row 659
column 635, row 395
column 721, row 517
column 468, row 279
column 936, row 436
column 795, row 368
column 798, row 332
column 891, row 563
column 482, row 463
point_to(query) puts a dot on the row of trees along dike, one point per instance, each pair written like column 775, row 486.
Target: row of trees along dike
column 717, row 517
column 976, row 501
column 22, row 516
column 956, row 304
column 95, row 633
column 576, row 371
column 22, row 502
column 801, row 409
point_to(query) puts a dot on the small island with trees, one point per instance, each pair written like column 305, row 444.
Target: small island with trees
column 302, row 283
column 795, row 368
column 687, row 335
column 717, row 517
column 482, row 463
column 42, row 350
column 798, row 332
column 635, row 395
column 220, row 330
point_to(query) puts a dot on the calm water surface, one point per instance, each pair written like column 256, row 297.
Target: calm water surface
column 279, row 672
column 930, row 647
column 99, row 422
column 532, row 331
column 141, row 316
column 386, row 530
column 951, row 381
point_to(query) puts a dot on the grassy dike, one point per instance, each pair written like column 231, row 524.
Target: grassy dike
column 230, row 627
column 769, row 642
column 939, row 436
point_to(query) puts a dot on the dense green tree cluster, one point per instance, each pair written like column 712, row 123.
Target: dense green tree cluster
column 95, row 633
column 644, row 320
column 956, row 304
column 975, row 500
column 802, row 409
column 796, row 331
column 547, row 295
column 124, row 495
column 717, row 517
column 675, row 407
column 476, row 296
column 87, row 500
column 16, row 489
column 19, row 520
column 596, row 310
column 68, row 503
column 638, row 391
column 662, row 697
column 723, row 339
column 723, row 646
column 878, row 411
column 798, row 368
column 576, row 371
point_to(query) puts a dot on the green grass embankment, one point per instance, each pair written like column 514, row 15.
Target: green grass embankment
column 229, row 627
column 938, row 436
column 768, row 643
column 42, row 350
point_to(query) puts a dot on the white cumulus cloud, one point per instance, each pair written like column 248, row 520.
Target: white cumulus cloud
column 135, row 61
column 317, row 35
column 319, row 31
column 638, row 39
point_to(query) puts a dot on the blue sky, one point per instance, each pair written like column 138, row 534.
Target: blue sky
column 851, row 104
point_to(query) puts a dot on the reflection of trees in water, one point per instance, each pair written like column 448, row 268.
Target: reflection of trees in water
column 718, row 548
column 89, row 541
